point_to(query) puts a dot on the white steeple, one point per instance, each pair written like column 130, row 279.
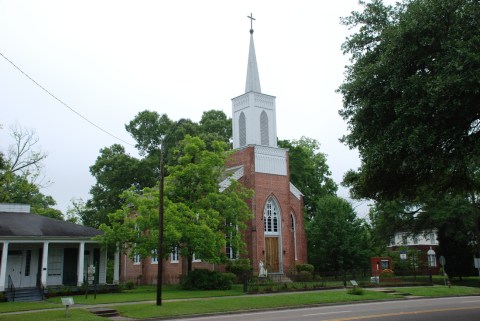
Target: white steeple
column 253, row 78
column 253, row 113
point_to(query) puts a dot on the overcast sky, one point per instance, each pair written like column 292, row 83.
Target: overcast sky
column 109, row 60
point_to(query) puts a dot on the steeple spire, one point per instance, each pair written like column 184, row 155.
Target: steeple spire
column 253, row 78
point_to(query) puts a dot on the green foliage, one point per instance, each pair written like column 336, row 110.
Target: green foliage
column 240, row 267
column 198, row 218
column 304, row 276
column 387, row 273
column 115, row 171
column 454, row 218
column 411, row 99
column 309, row 171
column 215, row 126
column 356, row 290
column 337, row 239
column 409, row 266
column 148, row 128
column 129, row 285
column 203, row 279
column 304, row 267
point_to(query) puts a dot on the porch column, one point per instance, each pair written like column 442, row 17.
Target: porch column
column 3, row 266
column 81, row 259
column 116, row 266
column 45, row 263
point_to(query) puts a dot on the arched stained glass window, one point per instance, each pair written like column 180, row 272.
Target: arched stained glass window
column 271, row 218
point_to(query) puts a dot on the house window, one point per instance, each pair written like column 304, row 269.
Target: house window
column 136, row 259
column 271, row 218
column 385, row 264
column 55, row 261
column 264, row 128
column 230, row 251
column 154, row 257
column 432, row 260
column 243, row 129
column 174, row 256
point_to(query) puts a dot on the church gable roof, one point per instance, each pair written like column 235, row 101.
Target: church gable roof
column 15, row 224
column 295, row 191
column 236, row 173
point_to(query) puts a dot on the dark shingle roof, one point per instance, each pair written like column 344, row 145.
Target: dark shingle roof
column 33, row 225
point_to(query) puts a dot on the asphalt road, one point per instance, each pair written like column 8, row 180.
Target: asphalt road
column 441, row 309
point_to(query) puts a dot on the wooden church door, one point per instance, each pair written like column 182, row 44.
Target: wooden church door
column 271, row 228
column 271, row 254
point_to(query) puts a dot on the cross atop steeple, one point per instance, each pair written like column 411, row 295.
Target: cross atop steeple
column 251, row 22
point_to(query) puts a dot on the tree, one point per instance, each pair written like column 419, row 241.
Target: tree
column 411, row 99
column 215, row 126
column 20, row 172
column 337, row 239
column 309, row 171
column 115, row 171
column 199, row 218
column 452, row 217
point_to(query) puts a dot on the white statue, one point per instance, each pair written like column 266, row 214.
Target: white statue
column 262, row 271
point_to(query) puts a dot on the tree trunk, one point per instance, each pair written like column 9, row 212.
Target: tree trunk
column 189, row 264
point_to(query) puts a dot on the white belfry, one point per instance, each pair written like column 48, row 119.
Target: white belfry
column 254, row 114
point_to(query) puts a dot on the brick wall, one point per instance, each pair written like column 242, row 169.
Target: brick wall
column 264, row 186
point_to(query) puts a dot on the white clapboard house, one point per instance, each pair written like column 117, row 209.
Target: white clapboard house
column 40, row 252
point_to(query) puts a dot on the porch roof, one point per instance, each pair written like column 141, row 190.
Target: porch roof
column 15, row 224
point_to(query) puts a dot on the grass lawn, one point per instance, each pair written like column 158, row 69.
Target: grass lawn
column 56, row 315
column 439, row 291
column 149, row 293
column 244, row 303
column 25, row 306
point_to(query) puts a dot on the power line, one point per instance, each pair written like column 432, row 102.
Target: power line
column 63, row 103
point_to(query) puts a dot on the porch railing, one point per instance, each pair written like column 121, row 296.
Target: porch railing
column 11, row 287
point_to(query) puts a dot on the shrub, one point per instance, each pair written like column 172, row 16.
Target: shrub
column 387, row 273
column 304, row 267
column 129, row 285
column 239, row 267
column 356, row 290
column 202, row 279
column 230, row 276
column 304, row 276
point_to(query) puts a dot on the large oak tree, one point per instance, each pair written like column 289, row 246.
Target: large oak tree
column 412, row 103
column 200, row 219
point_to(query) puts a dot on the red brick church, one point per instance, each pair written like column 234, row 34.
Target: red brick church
column 275, row 237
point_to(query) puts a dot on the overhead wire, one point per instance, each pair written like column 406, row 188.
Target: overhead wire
column 63, row 103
